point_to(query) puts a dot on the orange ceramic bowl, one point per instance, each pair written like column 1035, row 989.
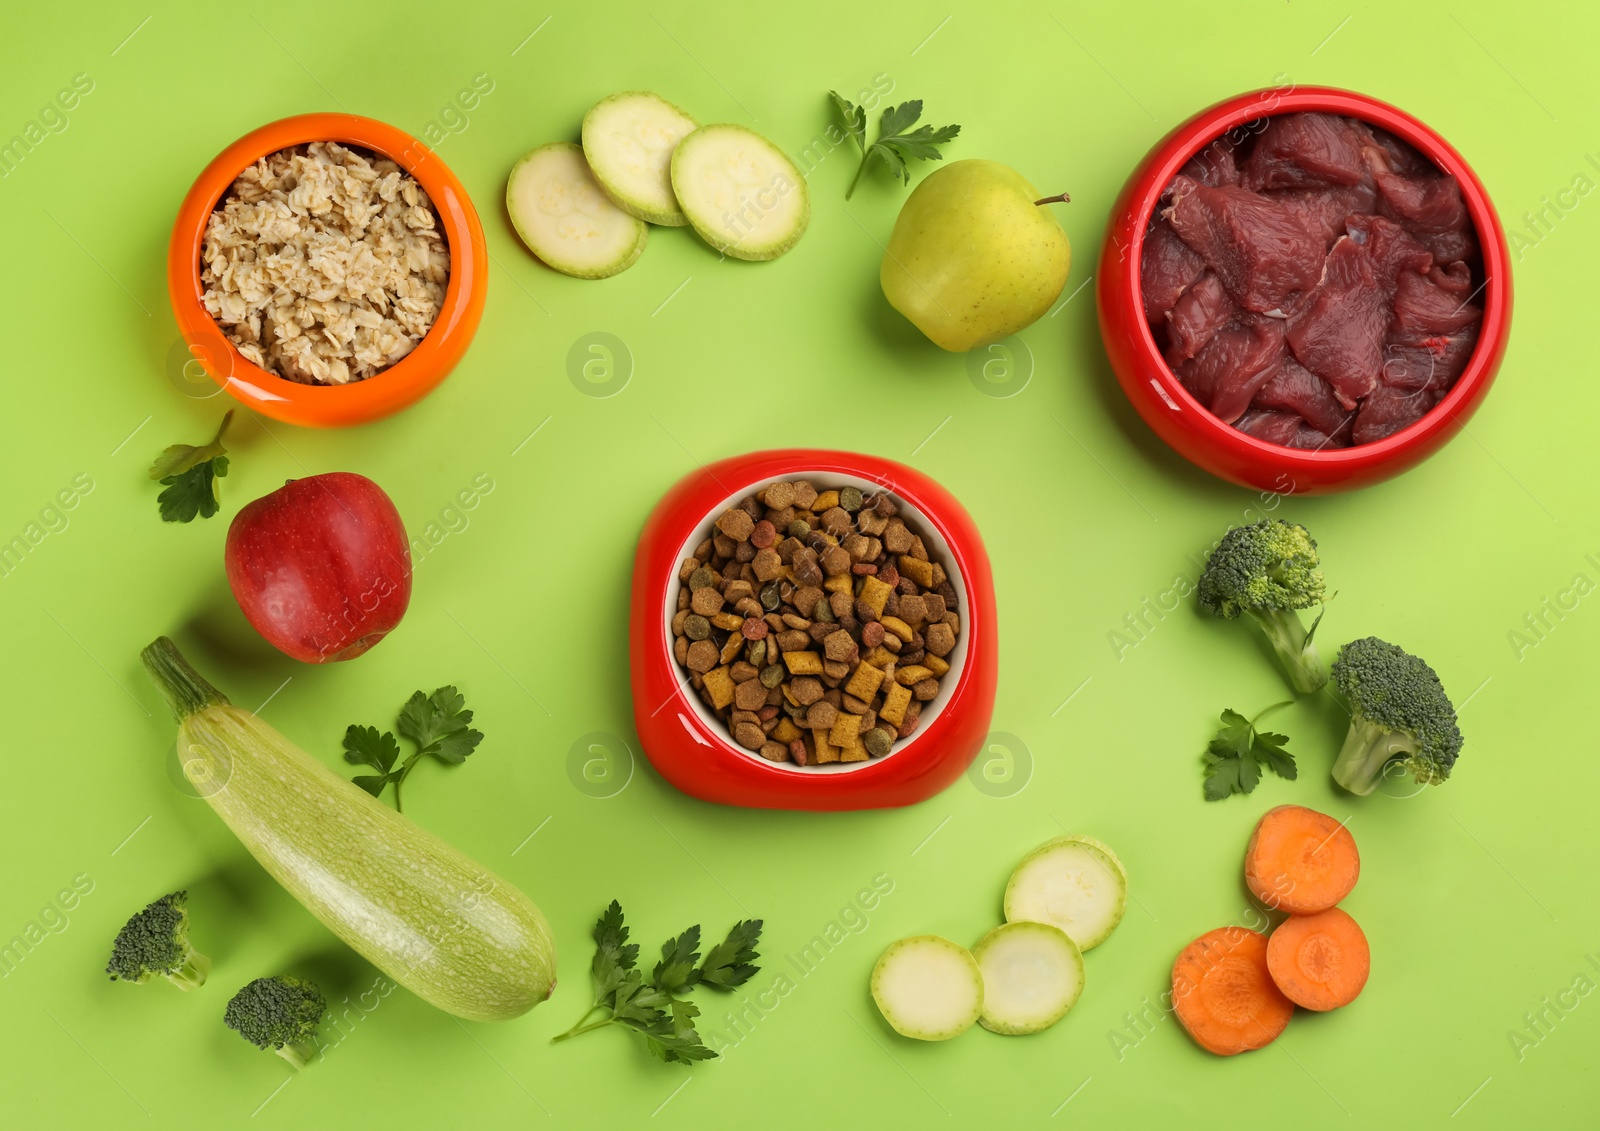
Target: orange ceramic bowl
column 409, row 379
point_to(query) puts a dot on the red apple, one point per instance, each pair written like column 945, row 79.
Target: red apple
column 321, row 567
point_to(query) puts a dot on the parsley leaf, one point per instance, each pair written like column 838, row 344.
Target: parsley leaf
column 1235, row 757
column 897, row 142
column 728, row 964
column 437, row 723
column 676, row 970
column 652, row 1008
column 364, row 746
column 189, row 474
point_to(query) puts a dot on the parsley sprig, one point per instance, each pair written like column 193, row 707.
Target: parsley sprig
column 656, row 1008
column 437, row 723
column 1235, row 756
column 190, row 473
column 897, row 142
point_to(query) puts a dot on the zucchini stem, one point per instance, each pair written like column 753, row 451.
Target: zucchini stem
column 185, row 690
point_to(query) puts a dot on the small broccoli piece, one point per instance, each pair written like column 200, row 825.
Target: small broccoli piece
column 1399, row 713
column 1267, row 571
column 156, row 941
column 279, row 1013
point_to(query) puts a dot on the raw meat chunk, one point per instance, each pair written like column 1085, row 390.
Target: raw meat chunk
column 1423, row 204
column 1264, row 255
column 1296, row 389
column 1450, row 247
column 1305, row 150
column 1387, row 410
column 1198, row 314
column 1272, row 427
column 1325, row 210
column 1338, row 332
column 1215, row 165
column 1386, row 153
column 1423, row 306
column 1426, row 361
column 1168, row 268
column 1239, row 359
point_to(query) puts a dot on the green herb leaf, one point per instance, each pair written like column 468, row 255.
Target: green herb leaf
column 366, row 746
column 1235, row 757
column 676, row 970
column 897, row 142
column 729, row 963
column 853, row 118
column 438, row 724
column 190, row 473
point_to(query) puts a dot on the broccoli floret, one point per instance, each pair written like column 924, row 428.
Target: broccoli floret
column 156, row 941
column 279, row 1013
column 1399, row 713
column 1267, row 571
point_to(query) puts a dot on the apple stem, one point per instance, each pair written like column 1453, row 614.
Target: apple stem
column 1063, row 198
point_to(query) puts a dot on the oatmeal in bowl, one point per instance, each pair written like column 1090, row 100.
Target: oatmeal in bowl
column 325, row 263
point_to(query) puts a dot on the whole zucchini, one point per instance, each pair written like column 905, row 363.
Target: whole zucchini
column 428, row 916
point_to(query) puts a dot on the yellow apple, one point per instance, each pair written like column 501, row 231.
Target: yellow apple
column 972, row 258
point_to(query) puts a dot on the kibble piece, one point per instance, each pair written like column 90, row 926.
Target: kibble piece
column 895, row 701
column 896, row 538
column 764, row 535
column 917, row 569
column 856, row 546
column 732, row 648
column 835, row 670
column 706, row 601
column 794, row 640
column 865, row 682
column 799, row 528
column 771, row 675
column 773, row 751
column 913, row 609
column 874, row 593
column 803, row 663
column 728, row 622
column 846, row 730
column 854, row 752
column 877, row 741
column 822, row 715
column 908, row 727
column 719, row 685
column 785, row 731
column 934, row 604
column 926, row 689
column 805, row 689
column 771, row 597
column 797, row 752
column 736, row 524
column 741, row 671
column 850, row 499
column 749, row 735
column 826, row 500
column 750, row 695
column 879, row 657
column 779, row 495
column 899, row 627
column 842, row 583
column 871, row 634
column 680, row 649
column 806, row 569
column 757, row 653
column 766, row 564
column 911, row 673
column 869, row 521
column 855, row 706
column 939, row 639
column 825, row 751
column 804, row 494
column 836, row 520
column 702, row 578
column 702, row 656
column 754, row 629
column 839, row 646
column 938, row 576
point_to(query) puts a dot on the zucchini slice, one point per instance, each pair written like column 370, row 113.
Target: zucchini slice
column 928, row 988
column 566, row 219
column 1032, row 974
column 1073, row 882
column 628, row 139
column 740, row 192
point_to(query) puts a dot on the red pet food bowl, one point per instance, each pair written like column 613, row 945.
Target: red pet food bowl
column 692, row 748
column 1188, row 427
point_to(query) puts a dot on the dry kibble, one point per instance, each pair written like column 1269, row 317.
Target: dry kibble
column 940, row 639
column 701, row 657
column 814, row 609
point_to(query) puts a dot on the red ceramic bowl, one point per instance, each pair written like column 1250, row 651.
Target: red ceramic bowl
column 409, row 379
column 691, row 747
column 1186, row 425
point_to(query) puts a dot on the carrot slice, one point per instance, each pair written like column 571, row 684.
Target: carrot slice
column 1319, row 961
column 1224, row 995
column 1300, row 861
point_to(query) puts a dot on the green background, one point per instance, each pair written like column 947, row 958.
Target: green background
column 1478, row 896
